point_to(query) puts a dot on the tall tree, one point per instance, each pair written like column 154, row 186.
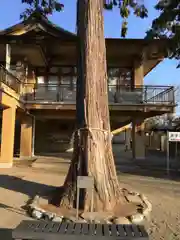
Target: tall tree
column 92, row 154
column 167, row 25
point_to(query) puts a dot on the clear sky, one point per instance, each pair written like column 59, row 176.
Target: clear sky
column 164, row 74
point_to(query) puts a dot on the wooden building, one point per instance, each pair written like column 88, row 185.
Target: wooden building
column 38, row 87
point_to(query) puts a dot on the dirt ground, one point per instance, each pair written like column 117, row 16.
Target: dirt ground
column 21, row 182
column 164, row 195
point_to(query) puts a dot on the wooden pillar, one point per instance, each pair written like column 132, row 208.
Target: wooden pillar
column 138, row 139
column 8, row 57
column 31, row 80
column 128, row 139
column 26, row 137
column 138, row 78
column 7, row 138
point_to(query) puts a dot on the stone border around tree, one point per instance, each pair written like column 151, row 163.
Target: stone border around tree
column 143, row 213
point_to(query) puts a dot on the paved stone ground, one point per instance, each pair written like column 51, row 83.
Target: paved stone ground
column 21, row 182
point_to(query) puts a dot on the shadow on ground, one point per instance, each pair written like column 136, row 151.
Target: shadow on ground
column 11, row 209
column 175, row 176
column 20, row 185
column 5, row 234
column 155, row 165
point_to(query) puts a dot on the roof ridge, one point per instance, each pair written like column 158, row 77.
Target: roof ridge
column 35, row 18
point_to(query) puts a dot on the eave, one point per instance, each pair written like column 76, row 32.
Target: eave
column 154, row 50
column 32, row 23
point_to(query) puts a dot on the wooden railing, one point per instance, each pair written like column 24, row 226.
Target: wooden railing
column 118, row 94
column 145, row 94
column 9, row 79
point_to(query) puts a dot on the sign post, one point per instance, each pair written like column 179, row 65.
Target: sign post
column 167, row 160
column 176, row 150
column 84, row 182
column 171, row 137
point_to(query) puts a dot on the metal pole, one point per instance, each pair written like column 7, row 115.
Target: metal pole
column 33, row 135
column 92, row 199
column 125, row 134
column 167, row 163
column 176, row 151
column 77, row 203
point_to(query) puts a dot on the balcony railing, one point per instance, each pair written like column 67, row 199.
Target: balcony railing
column 117, row 94
column 9, row 79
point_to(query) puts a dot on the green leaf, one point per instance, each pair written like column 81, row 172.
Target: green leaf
column 167, row 25
column 115, row 2
column 108, row 6
column 47, row 7
column 58, row 6
column 124, row 29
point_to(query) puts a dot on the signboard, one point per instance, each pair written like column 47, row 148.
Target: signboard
column 171, row 137
column 174, row 136
column 85, row 182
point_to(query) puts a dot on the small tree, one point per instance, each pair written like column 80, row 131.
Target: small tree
column 92, row 154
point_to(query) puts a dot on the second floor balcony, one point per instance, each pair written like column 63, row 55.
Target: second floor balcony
column 124, row 95
column 118, row 94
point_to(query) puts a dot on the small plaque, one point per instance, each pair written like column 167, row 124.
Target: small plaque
column 85, row 182
column 174, row 136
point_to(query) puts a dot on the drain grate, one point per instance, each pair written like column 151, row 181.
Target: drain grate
column 54, row 231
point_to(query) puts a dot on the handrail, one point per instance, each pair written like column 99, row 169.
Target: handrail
column 9, row 79
column 163, row 92
column 122, row 94
column 118, row 85
column 9, row 73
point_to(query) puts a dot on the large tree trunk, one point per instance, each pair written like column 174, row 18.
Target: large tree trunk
column 92, row 154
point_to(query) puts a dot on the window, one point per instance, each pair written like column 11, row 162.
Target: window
column 66, row 71
column 75, row 71
column 40, row 80
column 41, row 84
column 53, row 83
column 66, row 80
column 118, row 77
column 62, row 77
column 68, row 77
column 54, row 70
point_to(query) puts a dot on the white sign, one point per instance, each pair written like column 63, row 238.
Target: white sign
column 85, row 182
column 174, row 136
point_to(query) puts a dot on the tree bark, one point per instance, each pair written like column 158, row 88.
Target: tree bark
column 92, row 154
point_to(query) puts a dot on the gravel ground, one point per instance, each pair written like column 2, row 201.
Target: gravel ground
column 19, row 183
